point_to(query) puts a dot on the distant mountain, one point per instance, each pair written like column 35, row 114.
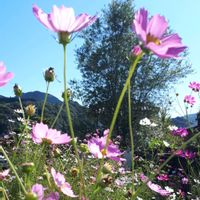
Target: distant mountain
column 185, row 121
column 35, row 96
column 39, row 96
column 82, row 121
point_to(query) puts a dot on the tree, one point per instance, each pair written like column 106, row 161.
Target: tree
column 102, row 60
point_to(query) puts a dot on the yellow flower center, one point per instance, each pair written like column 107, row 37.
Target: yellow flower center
column 103, row 151
column 151, row 38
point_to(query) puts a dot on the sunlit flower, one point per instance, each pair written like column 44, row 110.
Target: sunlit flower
column 4, row 76
column 152, row 33
column 96, row 146
column 41, row 133
column 194, row 86
column 189, row 99
column 154, row 187
column 63, row 20
column 60, row 182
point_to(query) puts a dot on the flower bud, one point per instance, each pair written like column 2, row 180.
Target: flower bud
column 74, row 171
column 31, row 196
column 84, row 148
column 56, row 152
column 28, row 167
column 68, row 92
column 30, row 110
column 49, row 74
column 17, row 90
column 107, row 168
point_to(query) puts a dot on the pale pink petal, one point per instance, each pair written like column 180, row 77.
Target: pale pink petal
column 52, row 196
column 38, row 190
column 157, row 26
column 94, row 149
column 5, row 78
column 66, row 189
column 62, row 139
column 42, row 17
column 62, row 18
column 59, row 178
column 81, row 22
column 140, row 24
column 39, row 132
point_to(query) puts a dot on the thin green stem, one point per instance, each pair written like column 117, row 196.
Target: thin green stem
column 58, row 114
column 21, row 106
column 131, row 135
column 13, row 168
column 45, row 100
column 132, row 69
column 4, row 192
column 82, row 186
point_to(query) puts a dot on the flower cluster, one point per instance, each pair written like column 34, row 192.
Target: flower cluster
column 182, row 132
column 186, row 154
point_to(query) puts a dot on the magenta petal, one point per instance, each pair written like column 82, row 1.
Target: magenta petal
column 140, row 24
column 157, row 26
column 42, row 17
column 62, row 18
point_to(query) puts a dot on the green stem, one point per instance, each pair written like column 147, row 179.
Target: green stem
column 132, row 69
column 71, row 126
column 4, row 192
column 45, row 100
column 21, row 106
column 131, row 135
column 58, row 114
column 13, row 168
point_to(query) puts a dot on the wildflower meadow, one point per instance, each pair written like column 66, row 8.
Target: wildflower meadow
column 45, row 163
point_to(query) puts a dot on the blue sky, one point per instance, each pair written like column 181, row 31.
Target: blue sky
column 27, row 48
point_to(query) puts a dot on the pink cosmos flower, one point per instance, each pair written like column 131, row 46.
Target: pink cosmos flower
column 41, row 133
column 63, row 19
column 96, row 146
column 152, row 34
column 189, row 99
column 163, row 177
column 4, row 77
column 182, row 132
column 154, row 187
column 194, row 86
column 4, row 174
column 60, row 182
column 38, row 190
